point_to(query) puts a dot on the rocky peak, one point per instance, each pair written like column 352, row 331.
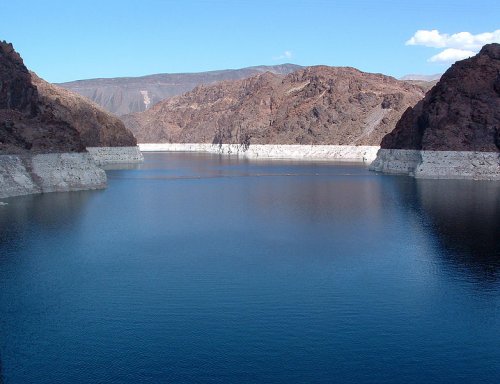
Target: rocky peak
column 460, row 113
column 16, row 90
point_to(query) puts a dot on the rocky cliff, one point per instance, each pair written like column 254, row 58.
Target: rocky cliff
column 124, row 95
column 461, row 113
column 315, row 105
column 455, row 130
column 39, row 150
column 25, row 125
column 97, row 127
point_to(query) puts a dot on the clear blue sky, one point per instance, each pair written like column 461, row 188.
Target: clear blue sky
column 69, row 40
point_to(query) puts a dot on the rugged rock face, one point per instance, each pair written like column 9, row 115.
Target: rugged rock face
column 315, row 105
column 38, row 117
column 97, row 127
column 126, row 95
column 461, row 113
column 25, row 126
column 38, row 147
column 48, row 172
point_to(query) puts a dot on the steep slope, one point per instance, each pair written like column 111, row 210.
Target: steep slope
column 125, row 95
column 97, row 127
column 455, row 130
column 461, row 113
column 25, row 124
column 315, row 105
column 39, row 151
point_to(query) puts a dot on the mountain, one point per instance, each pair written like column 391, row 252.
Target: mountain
column 123, row 95
column 461, row 113
column 314, row 105
column 40, row 150
column 454, row 132
column 97, row 127
column 26, row 123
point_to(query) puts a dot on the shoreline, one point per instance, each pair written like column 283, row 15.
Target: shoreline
column 104, row 156
column 438, row 164
column 361, row 153
column 50, row 172
column 28, row 174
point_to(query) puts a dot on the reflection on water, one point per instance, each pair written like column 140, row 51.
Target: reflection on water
column 203, row 268
column 466, row 215
column 53, row 211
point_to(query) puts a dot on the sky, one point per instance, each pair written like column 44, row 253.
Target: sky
column 70, row 40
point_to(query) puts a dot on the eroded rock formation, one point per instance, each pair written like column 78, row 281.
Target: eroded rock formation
column 454, row 132
column 25, row 125
column 461, row 113
column 39, row 150
column 315, row 105
column 97, row 127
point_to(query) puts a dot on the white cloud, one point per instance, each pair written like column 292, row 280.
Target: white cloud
column 458, row 46
column 284, row 55
column 460, row 40
column 450, row 55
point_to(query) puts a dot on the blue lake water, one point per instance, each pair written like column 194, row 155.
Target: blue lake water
column 196, row 268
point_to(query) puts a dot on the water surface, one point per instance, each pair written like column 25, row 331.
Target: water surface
column 196, row 268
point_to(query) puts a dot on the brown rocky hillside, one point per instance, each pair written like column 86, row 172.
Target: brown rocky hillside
column 461, row 113
column 97, row 127
column 39, row 117
column 25, row 125
column 315, row 105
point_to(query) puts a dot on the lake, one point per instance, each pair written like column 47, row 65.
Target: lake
column 199, row 268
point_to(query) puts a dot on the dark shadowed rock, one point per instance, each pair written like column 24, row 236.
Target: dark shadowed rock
column 16, row 91
column 25, row 126
column 315, row 105
column 461, row 113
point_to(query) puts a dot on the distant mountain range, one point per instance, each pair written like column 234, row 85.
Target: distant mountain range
column 124, row 95
column 417, row 77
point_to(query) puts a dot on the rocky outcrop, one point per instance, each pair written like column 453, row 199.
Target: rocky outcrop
column 455, row 128
column 51, row 172
column 461, row 113
column 97, row 127
column 313, row 106
column 124, row 95
column 25, row 126
column 439, row 164
column 39, row 150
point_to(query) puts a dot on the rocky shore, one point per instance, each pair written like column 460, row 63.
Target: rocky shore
column 44, row 131
column 52, row 172
column 454, row 132
column 439, row 164
column 365, row 153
